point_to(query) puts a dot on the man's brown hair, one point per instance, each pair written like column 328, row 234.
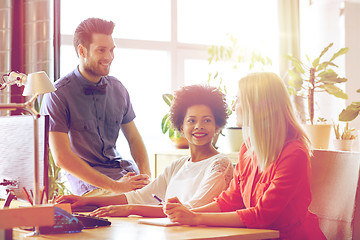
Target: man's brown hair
column 83, row 33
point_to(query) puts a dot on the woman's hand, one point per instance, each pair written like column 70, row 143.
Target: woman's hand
column 111, row 211
column 179, row 213
column 76, row 201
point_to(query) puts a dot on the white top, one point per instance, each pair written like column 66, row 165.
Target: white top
column 193, row 183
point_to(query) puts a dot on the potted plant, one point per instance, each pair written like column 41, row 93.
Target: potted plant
column 175, row 136
column 344, row 140
column 351, row 111
column 239, row 60
column 316, row 76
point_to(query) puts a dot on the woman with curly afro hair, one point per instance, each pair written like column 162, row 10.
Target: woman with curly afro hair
column 198, row 112
column 198, row 95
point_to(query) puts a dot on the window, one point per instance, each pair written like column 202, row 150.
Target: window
column 162, row 45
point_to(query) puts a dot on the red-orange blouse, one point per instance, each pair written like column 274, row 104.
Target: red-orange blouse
column 277, row 198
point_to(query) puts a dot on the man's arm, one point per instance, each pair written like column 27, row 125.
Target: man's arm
column 137, row 147
column 66, row 159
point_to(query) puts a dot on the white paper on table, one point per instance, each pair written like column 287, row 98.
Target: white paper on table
column 158, row 222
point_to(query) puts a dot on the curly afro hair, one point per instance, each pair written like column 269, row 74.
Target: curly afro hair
column 188, row 96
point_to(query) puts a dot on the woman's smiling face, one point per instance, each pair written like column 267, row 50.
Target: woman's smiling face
column 199, row 125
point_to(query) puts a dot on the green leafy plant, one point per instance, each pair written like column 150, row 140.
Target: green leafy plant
column 346, row 134
column 175, row 136
column 316, row 76
column 351, row 111
column 238, row 58
column 166, row 126
column 56, row 185
column 232, row 54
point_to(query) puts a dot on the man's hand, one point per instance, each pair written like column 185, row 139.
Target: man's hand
column 131, row 182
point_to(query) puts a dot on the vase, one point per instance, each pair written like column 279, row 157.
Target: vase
column 180, row 142
column 319, row 135
column 343, row 145
column 234, row 138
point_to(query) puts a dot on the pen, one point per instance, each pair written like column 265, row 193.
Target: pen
column 42, row 192
column 157, row 198
column 27, row 196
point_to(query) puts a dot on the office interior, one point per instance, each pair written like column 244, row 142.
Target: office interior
column 37, row 35
column 163, row 44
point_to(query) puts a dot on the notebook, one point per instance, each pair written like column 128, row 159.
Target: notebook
column 158, row 222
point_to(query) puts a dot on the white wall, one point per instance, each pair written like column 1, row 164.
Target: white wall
column 352, row 40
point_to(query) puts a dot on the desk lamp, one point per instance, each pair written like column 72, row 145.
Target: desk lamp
column 35, row 84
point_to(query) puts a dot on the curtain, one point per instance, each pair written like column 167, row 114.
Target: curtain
column 289, row 32
column 5, row 38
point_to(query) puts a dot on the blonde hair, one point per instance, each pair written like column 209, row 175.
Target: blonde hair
column 268, row 117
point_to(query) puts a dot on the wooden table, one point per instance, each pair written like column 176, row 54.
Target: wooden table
column 130, row 229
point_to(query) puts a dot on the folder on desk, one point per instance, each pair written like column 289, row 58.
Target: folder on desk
column 165, row 222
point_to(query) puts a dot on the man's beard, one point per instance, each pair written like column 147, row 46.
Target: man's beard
column 94, row 71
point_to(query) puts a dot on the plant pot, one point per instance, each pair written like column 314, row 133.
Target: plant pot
column 180, row 142
column 234, row 138
column 319, row 135
column 343, row 145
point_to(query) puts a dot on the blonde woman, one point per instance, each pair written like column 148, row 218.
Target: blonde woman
column 271, row 184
